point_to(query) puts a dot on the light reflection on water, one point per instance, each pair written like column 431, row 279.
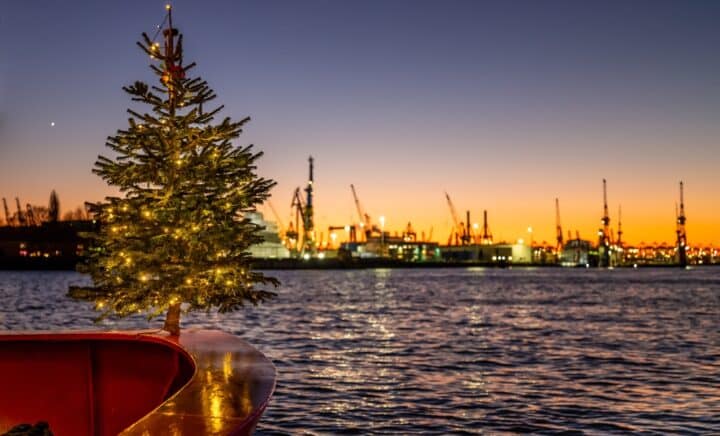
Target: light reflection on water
column 461, row 351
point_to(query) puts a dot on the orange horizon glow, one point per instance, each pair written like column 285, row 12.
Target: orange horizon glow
column 648, row 217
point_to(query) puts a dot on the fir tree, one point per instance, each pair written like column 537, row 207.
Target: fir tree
column 178, row 239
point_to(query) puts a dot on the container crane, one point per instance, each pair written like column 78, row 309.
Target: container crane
column 8, row 221
column 20, row 214
column 604, row 232
column 458, row 231
column 366, row 225
column 409, row 234
column 619, row 241
column 558, row 228
column 680, row 230
column 31, row 219
column 487, row 238
column 300, row 215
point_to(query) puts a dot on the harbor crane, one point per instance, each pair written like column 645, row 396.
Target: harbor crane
column 303, row 242
column 680, row 230
column 487, row 238
column 366, row 226
column 604, row 233
column 31, row 219
column 558, row 228
column 459, row 232
column 20, row 214
column 619, row 242
column 307, row 244
column 8, row 218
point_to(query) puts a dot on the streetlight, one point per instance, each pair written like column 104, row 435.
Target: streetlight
column 333, row 236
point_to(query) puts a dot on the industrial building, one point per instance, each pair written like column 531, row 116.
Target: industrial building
column 499, row 254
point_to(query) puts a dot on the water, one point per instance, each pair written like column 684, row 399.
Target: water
column 462, row 351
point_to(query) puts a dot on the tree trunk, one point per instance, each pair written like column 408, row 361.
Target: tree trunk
column 172, row 320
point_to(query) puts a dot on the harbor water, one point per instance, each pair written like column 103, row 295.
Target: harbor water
column 460, row 351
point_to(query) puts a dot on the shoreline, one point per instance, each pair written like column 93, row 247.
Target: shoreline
column 63, row 264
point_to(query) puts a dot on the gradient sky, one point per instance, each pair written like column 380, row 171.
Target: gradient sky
column 505, row 105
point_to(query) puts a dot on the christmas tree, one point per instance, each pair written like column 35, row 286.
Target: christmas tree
column 177, row 240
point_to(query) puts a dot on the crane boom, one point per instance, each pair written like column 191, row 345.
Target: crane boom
column 365, row 220
column 457, row 230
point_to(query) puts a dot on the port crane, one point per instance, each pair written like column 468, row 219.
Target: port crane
column 680, row 230
column 8, row 219
column 366, row 225
column 459, row 231
column 301, row 243
column 558, row 228
column 619, row 231
column 307, row 244
column 487, row 238
column 31, row 219
column 20, row 214
column 604, row 232
column 409, row 235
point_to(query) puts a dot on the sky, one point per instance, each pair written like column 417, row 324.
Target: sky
column 504, row 105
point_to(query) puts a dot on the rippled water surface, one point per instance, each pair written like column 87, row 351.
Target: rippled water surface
column 462, row 351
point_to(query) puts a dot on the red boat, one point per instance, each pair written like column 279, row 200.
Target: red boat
column 133, row 383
